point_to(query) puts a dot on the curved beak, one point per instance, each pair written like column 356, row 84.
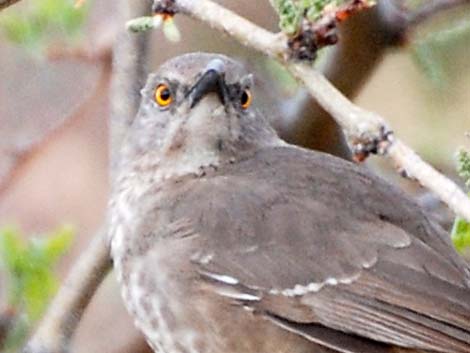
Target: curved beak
column 211, row 81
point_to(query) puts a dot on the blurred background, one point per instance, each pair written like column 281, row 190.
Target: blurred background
column 55, row 74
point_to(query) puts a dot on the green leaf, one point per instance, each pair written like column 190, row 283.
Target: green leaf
column 461, row 234
column 461, row 229
column 58, row 243
column 39, row 288
column 11, row 247
column 29, row 268
column 292, row 12
column 42, row 21
column 19, row 30
column 463, row 166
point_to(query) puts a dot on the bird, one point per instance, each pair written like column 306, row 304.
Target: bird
column 227, row 239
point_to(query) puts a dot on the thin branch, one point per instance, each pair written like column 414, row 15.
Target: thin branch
column 367, row 131
column 129, row 58
column 5, row 3
column 364, row 40
column 429, row 177
column 21, row 158
column 7, row 317
column 54, row 333
column 245, row 31
column 359, row 125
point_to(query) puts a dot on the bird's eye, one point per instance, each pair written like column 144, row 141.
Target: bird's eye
column 246, row 98
column 163, row 95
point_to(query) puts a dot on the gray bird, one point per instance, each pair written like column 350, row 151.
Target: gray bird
column 228, row 240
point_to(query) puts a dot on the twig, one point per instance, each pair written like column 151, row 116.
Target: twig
column 359, row 125
column 429, row 177
column 129, row 58
column 364, row 40
column 54, row 333
column 33, row 149
column 7, row 317
column 367, row 131
column 240, row 28
column 56, row 329
column 94, row 55
column 5, row 3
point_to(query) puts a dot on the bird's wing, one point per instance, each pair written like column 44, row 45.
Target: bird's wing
column 316, row 243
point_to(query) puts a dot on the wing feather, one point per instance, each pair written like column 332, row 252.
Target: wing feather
column 325, row 245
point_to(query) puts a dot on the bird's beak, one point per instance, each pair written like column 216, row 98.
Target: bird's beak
column 211, row 80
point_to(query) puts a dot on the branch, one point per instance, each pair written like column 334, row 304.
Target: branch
column 57, row 327
column 129, row 58
column 5, row 3
column 364, row 40
column 18, row 158
column 367, row 131
column 54, row 332
column 7, row 317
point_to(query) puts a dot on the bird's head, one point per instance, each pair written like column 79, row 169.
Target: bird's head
column 198, row 107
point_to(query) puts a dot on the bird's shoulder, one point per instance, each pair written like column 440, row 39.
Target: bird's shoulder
column 295, row 205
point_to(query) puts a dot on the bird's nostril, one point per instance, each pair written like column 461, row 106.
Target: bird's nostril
column 217, row 65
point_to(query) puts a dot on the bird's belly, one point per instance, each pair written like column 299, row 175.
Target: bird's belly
column 154, row 317
column 160, row 307
column 176, row 315
column 185, row 320
column 166, row 332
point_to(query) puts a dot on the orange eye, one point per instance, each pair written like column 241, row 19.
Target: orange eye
column 163, row 95
column 246, row 99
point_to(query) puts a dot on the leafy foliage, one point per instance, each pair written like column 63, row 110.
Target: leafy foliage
column 43, row 21
column 290, row 15
column 292, row 12
column 31, row 280
column 461, row 235
column 463, row 166
column 461, row 228
column 313, row 24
